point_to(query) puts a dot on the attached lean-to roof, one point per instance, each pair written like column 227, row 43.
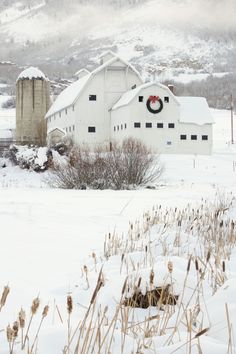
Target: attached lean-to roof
column 70, row 95
column 195, row 110
column 128, row 96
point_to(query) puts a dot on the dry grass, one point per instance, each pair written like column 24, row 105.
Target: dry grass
column 204, row 236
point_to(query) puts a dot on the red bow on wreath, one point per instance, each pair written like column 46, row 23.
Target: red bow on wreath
column 154, row 99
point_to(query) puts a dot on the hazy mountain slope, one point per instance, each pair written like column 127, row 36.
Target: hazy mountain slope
column 164, row 38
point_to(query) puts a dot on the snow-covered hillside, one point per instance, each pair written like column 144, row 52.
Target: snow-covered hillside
column 164, row 38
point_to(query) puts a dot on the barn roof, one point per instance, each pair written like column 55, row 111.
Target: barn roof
column 195, row 110
column 31, row 73
column 128, row 96
column 70, row 95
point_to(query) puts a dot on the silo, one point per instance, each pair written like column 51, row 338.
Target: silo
column 32, row 104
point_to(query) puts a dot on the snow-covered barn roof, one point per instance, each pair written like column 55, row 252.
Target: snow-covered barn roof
column 195, row 110
column 128, row 96
column 82, row 72
column 31, row 73
column 70, row 95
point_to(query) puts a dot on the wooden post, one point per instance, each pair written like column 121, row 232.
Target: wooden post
column 232, row 120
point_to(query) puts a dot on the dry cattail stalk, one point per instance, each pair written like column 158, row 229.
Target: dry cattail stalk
column 151, row 278
column 139, row 282
column 201, row 332
column 35, row 305
column 189, row 264
column 208, row 256
column 124, row 286
column 22, row 318
column 196, row 265
column 10, row 334
column 170, row 267
column 45, row 311
column 15, row 329
column 223, row 266
column 44, row 314
column 5, row 293
column 34, row 308
column 69, row 304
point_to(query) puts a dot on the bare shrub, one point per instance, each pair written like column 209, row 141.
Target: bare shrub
column 126, row 166
column 10, row 103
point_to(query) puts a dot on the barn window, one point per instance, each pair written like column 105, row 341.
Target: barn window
column 148, row 125
column 121, row 127
column 169, row 143
column 118, row 127
column 171, row 125
column 137, row 125
column 91, row 129
column 73, row 127
column 140, row 98
column 166, row 99
column 125, row 125
column 183, row 137
column 114, row 129
column 69, row 129
column 193, row 137
column 60, row 114
column 160, row 125
column 204, row 137
column 92, row 97
column 66, row 110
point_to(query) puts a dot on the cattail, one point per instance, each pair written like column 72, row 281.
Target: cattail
column 208, row 256
column 124, row 286
column 170, row 267
column 35, row 305
column 15, row 329
column 5, row 293
column 201, row 332
column 223, row 266
column 139, row 282
column 189, row 264
column 22, row 318
column 9, row 334
column 152, row 277
column 69, row 304
column 45, row 311
column 196, row 265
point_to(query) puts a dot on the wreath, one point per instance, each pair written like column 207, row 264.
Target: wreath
column 154, row 99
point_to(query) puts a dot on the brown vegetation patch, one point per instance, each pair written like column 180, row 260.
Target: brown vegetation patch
column 156, row 297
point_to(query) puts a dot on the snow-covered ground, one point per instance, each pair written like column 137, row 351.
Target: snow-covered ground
column 47, row 236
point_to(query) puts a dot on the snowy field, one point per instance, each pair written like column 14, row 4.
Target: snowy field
column 48, row 236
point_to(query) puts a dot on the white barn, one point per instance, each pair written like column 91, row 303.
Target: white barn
column 112, row 103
